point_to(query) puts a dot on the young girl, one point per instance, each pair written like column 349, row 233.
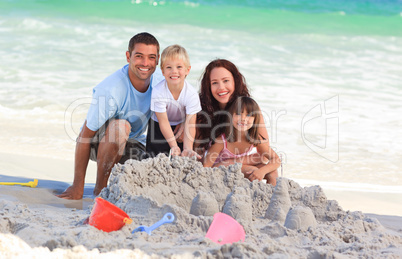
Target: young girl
column 174, row 101
column 241, row 135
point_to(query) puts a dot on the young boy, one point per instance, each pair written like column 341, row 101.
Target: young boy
column 174, row 102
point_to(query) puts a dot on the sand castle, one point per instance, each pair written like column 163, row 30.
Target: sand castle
column 285, row 221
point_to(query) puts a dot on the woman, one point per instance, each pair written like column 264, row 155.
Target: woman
column 221, row 84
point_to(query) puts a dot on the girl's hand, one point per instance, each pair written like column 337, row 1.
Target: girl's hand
column 190, row 153
column 175, row 151
column 256, row 175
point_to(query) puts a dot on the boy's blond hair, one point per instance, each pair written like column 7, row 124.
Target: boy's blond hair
column 175, row 52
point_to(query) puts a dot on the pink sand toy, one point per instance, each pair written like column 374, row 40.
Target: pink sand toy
column 225, row 230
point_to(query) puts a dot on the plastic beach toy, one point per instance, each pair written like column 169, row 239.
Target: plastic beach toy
column 225, row 230
column 107, row 216
column 168, row 218
column 31, row 184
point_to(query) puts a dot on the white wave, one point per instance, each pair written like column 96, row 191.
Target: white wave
column 34, row 24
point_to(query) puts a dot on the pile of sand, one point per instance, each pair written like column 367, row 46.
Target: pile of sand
column 285, row 221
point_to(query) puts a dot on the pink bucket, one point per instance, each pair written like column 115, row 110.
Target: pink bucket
column 225, row 230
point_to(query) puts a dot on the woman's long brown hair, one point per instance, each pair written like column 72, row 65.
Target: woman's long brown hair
column 211, row 116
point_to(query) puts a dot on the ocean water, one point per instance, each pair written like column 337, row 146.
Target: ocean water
column 327, row 75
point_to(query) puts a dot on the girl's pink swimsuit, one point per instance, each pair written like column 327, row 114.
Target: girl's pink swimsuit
column 226, row 154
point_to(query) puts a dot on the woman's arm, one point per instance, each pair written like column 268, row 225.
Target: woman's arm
column 167, row 132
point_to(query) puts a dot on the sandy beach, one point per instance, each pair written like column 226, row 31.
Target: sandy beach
column 326, row 75
column 287, row 221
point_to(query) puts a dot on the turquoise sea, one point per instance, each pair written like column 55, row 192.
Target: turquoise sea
column 327, row 75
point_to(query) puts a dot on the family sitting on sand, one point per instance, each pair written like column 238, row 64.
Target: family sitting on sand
column 220, row 126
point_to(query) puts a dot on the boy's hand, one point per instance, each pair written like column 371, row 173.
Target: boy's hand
column 175, row 151
column 190, row 153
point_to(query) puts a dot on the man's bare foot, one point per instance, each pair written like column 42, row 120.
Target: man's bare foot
column 96, row 192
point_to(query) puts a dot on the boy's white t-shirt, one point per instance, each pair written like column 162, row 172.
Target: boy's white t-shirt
column 162, row 101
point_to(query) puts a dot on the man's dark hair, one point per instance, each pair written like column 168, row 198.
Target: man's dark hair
column 143, row 37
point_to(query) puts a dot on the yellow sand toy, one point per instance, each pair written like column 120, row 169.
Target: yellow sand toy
column 31, row 184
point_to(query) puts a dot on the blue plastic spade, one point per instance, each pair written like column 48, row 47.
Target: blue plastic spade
column 168, row 218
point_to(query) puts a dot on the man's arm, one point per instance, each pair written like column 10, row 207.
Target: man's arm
column 82, row 151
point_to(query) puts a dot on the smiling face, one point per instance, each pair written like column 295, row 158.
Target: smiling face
column 142, row 64
column 175, row 72
column 242, row 121
column 222, row 85
column 245, row 120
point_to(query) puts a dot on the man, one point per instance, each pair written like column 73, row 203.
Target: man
column 118, row 116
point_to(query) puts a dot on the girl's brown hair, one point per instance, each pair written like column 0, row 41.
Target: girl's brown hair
column 248, row 105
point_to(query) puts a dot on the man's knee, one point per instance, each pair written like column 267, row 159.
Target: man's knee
column 118, row 130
